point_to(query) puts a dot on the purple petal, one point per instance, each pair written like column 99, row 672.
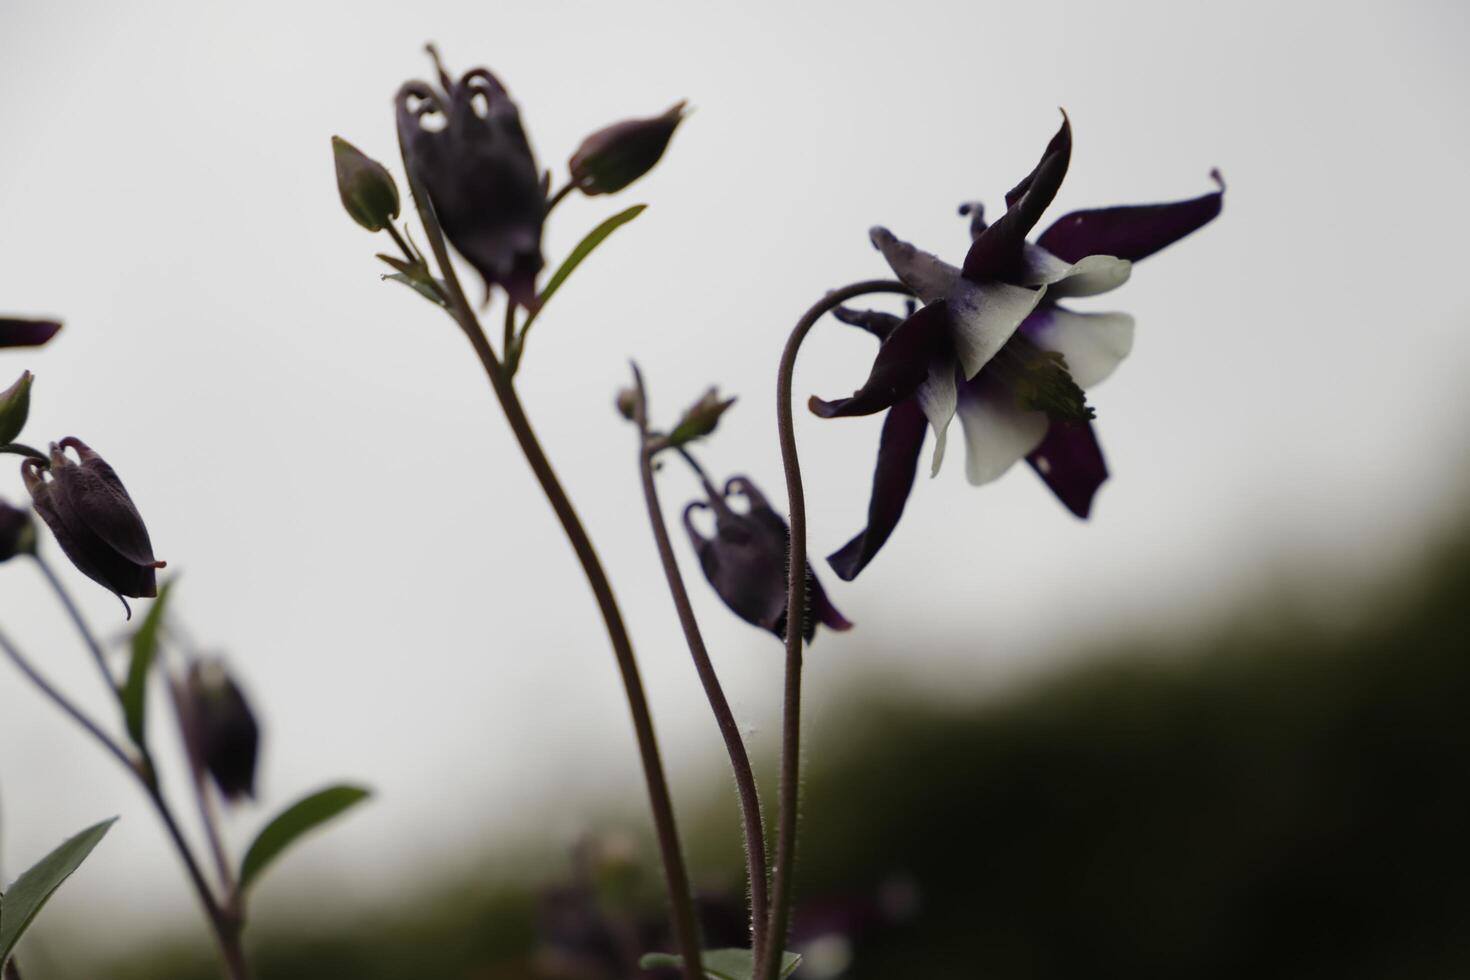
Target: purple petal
column 1132, row 231
column 880, row 325
column 893, row 479
column 901, row 366
column 1071, row 462
column 27, row 333
column 996, row 254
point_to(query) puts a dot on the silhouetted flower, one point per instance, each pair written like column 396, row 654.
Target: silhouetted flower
column 479, row 173
column 746, row 559
column 17, row 532
column 93, row 519
column 612, row 158
column 1024, row 402
column 26, row 333
column 220, row 731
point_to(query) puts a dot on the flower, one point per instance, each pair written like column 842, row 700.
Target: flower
column 1027, row 399
column 612, row 158
column 220, row 730
column 17, row 532
column 478, row 171
column 746, row 559
column 26, row 333
column 93, row 519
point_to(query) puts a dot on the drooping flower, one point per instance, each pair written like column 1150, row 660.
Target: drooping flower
column 464, row 144
column 220, row 730
column 93, row 519
column 745, row 561
column 26, row 333
column 1021, row 404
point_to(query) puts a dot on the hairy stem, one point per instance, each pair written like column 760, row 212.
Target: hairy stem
column 681, row 901
column 745, row 785
column 790, row 784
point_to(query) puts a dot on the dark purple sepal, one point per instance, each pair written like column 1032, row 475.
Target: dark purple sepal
column 996, row 253
column 893, row 480
column 901, row 366
column 26, row 333
column 220, row 730
column 1133, row 231
column 1071, row 463
column 880, row 325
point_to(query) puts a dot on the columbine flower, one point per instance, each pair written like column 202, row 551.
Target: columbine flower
column 220, row 730
column 26, row 333
column 1027, row 401
column 746, row 559
column 93, row 519
column 478, row 170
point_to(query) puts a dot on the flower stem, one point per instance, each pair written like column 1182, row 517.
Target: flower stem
column 67, row 706
column 76, row 617
column 681, row 901
column 745, row 785
column 769, row 968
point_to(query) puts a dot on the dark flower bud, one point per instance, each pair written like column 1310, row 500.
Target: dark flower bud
column 612, row 158
column 700, row 419
column 15, row 406
column 27, row 333
column 367, row 189
column 746, row 559
column 93, row 519
column 627, row 402
column 220, row 731
column 466, row 148
column 17, row 532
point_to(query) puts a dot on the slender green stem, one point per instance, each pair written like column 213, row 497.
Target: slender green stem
column 783, row 873
column 76, row 617
column 408, row 252
column 680, row 899
column 745, row 785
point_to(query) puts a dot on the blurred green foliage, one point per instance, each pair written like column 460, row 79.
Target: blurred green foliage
column 1276, row 799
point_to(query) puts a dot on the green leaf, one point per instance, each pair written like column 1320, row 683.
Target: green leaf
column 584, row 248
column 700, row 419
column 419, row 286
column 145, row 650
column 295, row 820
column 24, row 898
column 722, row 964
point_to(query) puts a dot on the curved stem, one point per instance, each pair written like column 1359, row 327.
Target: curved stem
column 782, row 871
column 745, row 785
column 76, row 617
column 65, row 704
column 559, row 196
column 681, row 901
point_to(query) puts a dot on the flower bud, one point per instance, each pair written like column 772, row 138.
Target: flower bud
column 93, row 519
column 627, row 402
column 15, row 405
column 746, row 560
column 700, row 419
column 17, row 532
column 612, row 158
column 367, row 189
column 220, row 730
column 26, row 333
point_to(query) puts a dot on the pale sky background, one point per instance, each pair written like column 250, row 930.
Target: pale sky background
column 320, row 456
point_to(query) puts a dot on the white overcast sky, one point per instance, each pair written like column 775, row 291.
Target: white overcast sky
column 319, row 455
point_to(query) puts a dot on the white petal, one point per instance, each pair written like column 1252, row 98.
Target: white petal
column 929, row 275
column 937, row 397
column 997, row 433
column 1091, row 275
column 1092, row 343
column 983, row 317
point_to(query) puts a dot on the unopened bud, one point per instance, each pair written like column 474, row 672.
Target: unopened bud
column 700, row 418
column 15, row 405
column 368, row 191
column 17, row 532
column 612, row 158
column 219, row 728
column 627, row 403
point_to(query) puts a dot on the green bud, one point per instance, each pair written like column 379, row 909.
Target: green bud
column 15, row 406
column 612, row 158
column 368, row 191
column 627, row 403
column 700, row 418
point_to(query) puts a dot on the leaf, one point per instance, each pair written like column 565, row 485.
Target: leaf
column 295, row 820
column 722, row 964
column 145, row 650
column 21, row 902
column 420, row 287
column 584, row 248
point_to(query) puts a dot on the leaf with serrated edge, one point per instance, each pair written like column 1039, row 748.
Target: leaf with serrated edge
column 24, row 899
column 722, row 964
column 297, row 819
column 145, row 650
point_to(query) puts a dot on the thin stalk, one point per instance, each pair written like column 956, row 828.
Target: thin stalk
column 408, row 252
column 790, row 785
column 680, row 899
column 65, row 704
column 557, row 198
column 745, row 785
column 76, row 617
